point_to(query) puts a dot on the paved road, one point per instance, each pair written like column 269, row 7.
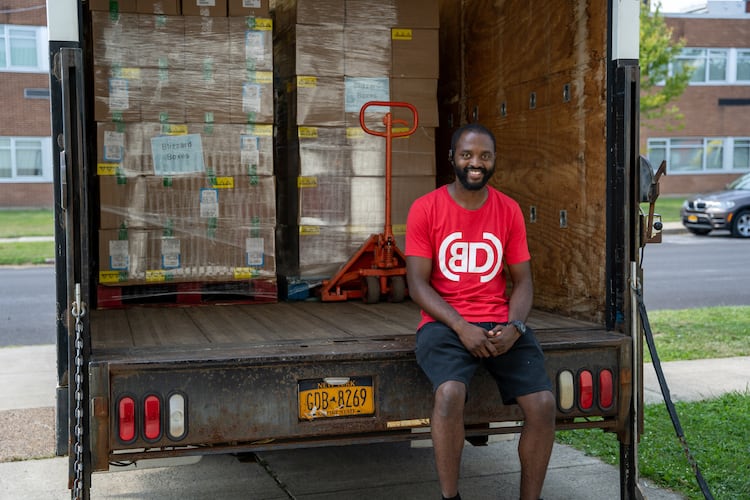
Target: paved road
column 684, row 271
column 27, row 305
column 687, row 271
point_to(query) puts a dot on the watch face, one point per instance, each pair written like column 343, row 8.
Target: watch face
column 520, row 326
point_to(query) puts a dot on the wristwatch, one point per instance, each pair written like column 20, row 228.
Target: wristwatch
column 520, row 325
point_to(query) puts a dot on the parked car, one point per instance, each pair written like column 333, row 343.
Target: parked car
column 728, row 209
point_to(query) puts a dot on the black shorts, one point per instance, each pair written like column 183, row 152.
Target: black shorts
column 518, row 372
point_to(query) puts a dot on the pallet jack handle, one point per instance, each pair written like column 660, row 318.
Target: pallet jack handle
column 389, row 135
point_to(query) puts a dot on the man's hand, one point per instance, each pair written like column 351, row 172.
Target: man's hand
column 503, row 338
column 478, row 341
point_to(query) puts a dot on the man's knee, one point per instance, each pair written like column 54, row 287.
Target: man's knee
column 539, row 407
column 450, row 397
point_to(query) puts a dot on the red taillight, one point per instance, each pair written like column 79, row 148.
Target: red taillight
column 126, row 419
column 606, row 389
column 585, row 390
column 152, row 417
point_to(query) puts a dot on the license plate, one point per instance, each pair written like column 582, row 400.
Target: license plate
column 692, row 218
column 336, row 397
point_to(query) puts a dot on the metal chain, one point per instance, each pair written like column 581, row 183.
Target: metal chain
column 78, row 311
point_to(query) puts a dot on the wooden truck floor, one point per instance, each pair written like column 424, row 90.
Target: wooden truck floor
column 212, row 328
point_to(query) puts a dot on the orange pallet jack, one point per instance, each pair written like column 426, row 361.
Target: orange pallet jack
column 378, row 267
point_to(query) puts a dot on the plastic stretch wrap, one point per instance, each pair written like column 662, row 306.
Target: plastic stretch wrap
column 186, row 144
column 185, row 152
column 332, row 57
column 178, row 69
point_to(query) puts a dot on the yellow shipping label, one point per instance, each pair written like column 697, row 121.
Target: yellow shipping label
column 242, row 273
column 307, row 182
column 354, row 133
column 112, row 276
column 309, row 82
column 259, row 130
column 260, row 76
column 157, row 276
column 401, row 34
column 129, row 73
column 223, row 182
column 307, row 132
column 107, row 168
column 309, row 230
column 171, row 129
column 262, row 24
column 399, row 229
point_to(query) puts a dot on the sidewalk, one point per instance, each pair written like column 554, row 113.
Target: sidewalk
column 27, row 381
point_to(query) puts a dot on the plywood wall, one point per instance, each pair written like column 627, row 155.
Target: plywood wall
column 498, row 56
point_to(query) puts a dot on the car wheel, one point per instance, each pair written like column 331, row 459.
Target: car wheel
column 699, row 232
column 741, row 224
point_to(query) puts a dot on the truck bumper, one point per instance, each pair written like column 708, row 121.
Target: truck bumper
column 251, row 401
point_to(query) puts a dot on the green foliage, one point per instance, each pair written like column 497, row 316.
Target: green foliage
column 657, row 50
column 717, row 432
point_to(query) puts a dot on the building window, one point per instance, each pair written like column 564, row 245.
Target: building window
column 36, row 93
column 701, row 154
column 709, row 65
column 743, row 65
column 25, row 159
column 23, row 48
column 741, row 154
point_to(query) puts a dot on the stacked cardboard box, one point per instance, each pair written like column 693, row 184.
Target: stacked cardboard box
column 332, row 57
column 185, row 125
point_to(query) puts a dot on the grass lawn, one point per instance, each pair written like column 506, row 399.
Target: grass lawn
column 666, row 206
column 31, row 252
column 19, row 223
column 717, row 432
column 682, row 334
column 16, row 223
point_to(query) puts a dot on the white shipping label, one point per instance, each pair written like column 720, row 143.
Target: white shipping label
column 255, row 48
column 249, row 154
column 251, row 4
column 114, row 146
column 205, row 3
column 254, row 251
column 119, row 257
column 251, row 94
column 177, row 154
column 170, row 253
column 359, row 91
column 118, row 94
column 209, row 202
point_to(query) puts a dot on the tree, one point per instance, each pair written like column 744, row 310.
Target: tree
column 658, row 87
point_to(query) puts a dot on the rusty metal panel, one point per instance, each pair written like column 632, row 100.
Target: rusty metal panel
column 236, row 403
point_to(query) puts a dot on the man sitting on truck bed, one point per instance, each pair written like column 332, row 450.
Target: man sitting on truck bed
column 457, row 238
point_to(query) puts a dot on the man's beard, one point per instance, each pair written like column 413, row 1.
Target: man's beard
column 463, row 177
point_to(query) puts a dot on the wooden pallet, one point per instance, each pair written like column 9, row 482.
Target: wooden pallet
column 252, row 291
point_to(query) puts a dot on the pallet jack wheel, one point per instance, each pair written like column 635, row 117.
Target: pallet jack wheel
column 398, row 289
column 370, row 289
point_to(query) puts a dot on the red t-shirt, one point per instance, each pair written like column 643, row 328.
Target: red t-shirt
column 468, row 248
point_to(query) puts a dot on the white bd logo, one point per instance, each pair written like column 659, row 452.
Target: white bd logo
column 460, row 257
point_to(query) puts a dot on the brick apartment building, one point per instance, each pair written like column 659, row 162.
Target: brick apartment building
column 713, row 146
column 710, row 150
column 25, row 143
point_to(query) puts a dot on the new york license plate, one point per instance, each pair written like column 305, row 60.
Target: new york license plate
column 336, row 397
